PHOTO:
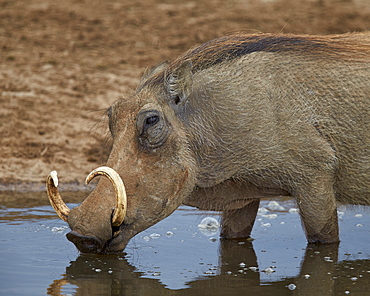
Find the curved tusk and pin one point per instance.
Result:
(121, 204)
(54, 197)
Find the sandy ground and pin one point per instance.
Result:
(63, 62)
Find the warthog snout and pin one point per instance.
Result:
(80, 235)
(84, 243)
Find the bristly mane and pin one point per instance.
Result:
(232, 47)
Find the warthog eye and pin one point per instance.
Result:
(152, 120)
(153, 129)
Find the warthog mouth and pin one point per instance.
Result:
(85, 244)
(89, 244)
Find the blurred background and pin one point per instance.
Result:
(63, 62)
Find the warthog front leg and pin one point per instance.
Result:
(238, 223)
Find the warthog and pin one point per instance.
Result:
(227, 123)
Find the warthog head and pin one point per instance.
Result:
(150, 153)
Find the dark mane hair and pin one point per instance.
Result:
(346, 47)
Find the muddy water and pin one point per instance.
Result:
(177, 257)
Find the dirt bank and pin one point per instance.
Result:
(63, 62)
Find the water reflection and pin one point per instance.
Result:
(320, 274)
(183, 263)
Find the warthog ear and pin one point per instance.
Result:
(179, 82)
(152, 71)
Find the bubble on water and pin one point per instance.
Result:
(307, 276)
(212, 239)
(282, 223)
(146, 238)
(293, 211)
(98, 270)
(291, 287)
(253, 268)
(358, 215)
(270, 216)
(340, 215)
(275, 206)
(353, 279)
(242, 264)
(209, 223)
(59, 229)
(346, 292)
(359, 225)
(209, 272)
(209, 226)
(155, 235)
(265, 224)
(169, 233)
(268, 270)
(262, 211)
(328, 259)
(110, 271)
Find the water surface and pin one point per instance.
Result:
(176, 257)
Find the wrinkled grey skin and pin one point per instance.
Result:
(234, 120)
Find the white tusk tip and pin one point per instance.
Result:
(54, 177)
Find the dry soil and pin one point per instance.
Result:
(62, 63)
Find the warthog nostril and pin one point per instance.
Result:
(85, 244)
